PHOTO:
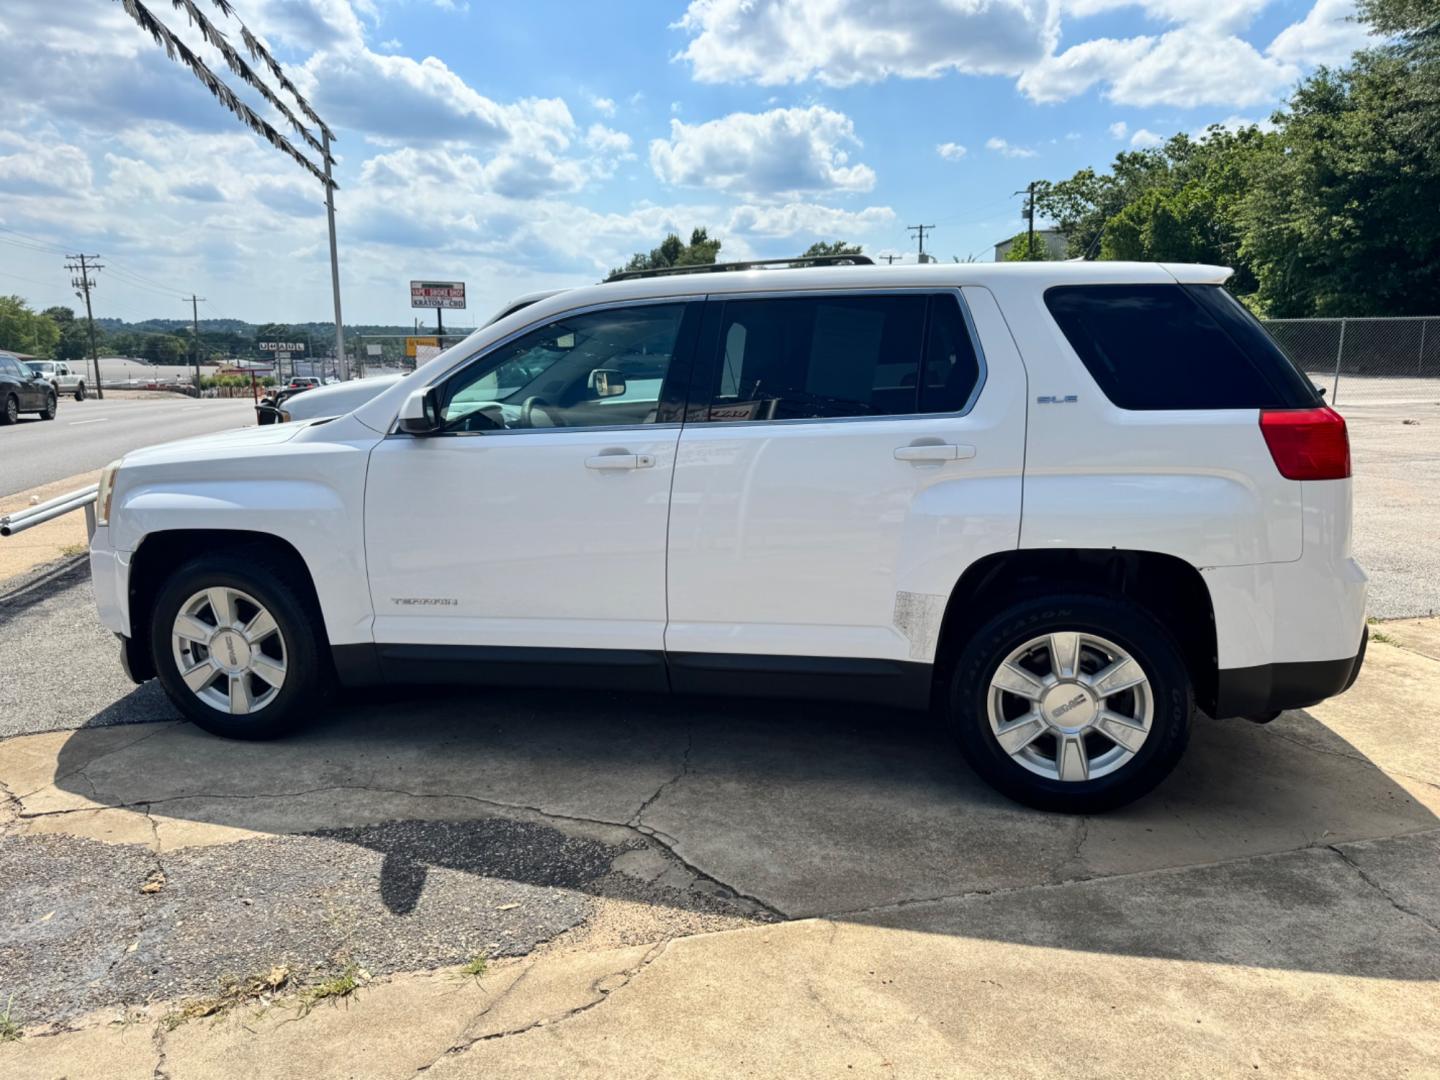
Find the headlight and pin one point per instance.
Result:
(107, 489)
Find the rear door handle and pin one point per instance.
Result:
(620, 461)
(934, 452)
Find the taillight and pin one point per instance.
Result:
(1307, 444)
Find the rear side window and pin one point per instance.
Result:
(1176, 347)
(820, 357)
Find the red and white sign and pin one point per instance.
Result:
(437, 294)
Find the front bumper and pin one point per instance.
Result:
(1270, 688)
(110, 573)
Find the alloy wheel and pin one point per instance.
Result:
(1070, 706)
(229, 650)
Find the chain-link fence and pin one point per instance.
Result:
(1367, 360)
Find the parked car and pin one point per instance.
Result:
(60, 375)
(1062, 504)
(302, 382)
(22, 390)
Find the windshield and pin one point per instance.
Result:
(40, 369)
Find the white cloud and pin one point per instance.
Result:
(951, 151)
(841, 42)
(1006, 149)
(1217, 15)
(783, 151)
(1144, 139)
(807, 220)
(1187, 67)
(607, 140)
(1327, 35)
(1119, 129)
(603, 105)
(42, 167)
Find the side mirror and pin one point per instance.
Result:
(605, 382)
(420, 415)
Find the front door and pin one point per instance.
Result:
(859, 451)
(532, 529)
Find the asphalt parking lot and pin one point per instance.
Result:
(811, 888)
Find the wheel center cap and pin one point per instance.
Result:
(1068, 706)
(231, 651)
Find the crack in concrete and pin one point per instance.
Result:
(627, 975)
(668, 843)
(1356, 757)
(162, 1052)
(1365, 877)
(636, 818)
(80, 769)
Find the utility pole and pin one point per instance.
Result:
(83, 284)
(920, 230)
(195, 325)
(334, 261)
(889, 259)
(1029, 213)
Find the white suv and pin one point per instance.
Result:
(1062, 503)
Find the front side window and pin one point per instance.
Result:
(602, 368)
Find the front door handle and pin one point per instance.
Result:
(620, 461)
(934, 452)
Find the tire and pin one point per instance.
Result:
(264, 583)
(52, 406)
(80, 392)
(11, 412)
(1063, 729)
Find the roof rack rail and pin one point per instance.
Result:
(748, 264)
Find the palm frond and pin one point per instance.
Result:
(174, 48)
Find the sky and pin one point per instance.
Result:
(536, 144)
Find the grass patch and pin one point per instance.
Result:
(1382, 637)
(9, 1026)
(476, 966)
(71, 550)
(332, 989)
(258, 988)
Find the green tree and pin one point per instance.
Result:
(675, 252)
(74, 343)
(833, 247)
(165, 349)
(1413, 19)
(24, 331)
(1022, 250)
(1344, 217)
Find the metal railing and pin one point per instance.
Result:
(1370, 360)
(20, 520)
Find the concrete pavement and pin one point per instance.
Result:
(706, 889)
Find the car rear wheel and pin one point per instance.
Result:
(80, 392)
(11, 413)
(1077, 703)
(235, 648)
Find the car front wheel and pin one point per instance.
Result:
(235, 647)
(1077, 703)
(51, 407)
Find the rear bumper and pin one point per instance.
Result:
(1269, 688)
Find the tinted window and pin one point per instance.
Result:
(818, 357)
(1175, 347)
(952, 370)
(10, 367)
(603, 368)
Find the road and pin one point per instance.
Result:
(88, 434)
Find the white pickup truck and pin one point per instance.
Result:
(60, 375)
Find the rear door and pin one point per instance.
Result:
(846, 456)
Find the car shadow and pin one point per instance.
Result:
(811, 809)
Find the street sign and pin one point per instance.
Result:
(437, 294)
(374, 350)
(282, 356)
(282, 346)
(412, 344)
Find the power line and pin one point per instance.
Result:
(920, 231)
(83, 284)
